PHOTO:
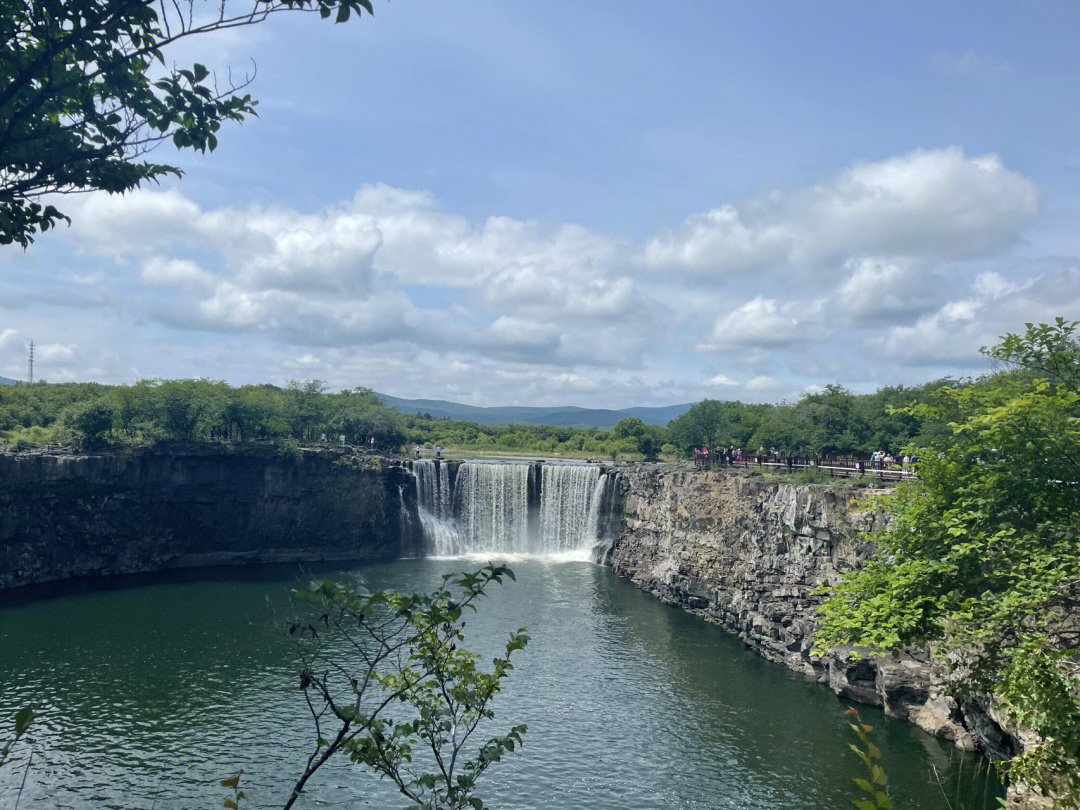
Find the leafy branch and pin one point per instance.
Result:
(409, 699)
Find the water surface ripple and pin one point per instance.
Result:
(149, 694)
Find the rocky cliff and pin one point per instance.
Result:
(64, 515)
(748, 554)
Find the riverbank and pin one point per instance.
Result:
(749, 554)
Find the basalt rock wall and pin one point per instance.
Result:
(748, 554)
(66, 515)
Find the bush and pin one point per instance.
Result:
(813, 475)
(88, 424)
(288, 450)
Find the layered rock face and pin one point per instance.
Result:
(65, 515)
(748, 554)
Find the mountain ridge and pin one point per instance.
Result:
(560, 415)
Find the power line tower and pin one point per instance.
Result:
(30, 365)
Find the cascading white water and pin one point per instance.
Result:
(488, 508)
(570, 507)
(433, 497)
(491, 504)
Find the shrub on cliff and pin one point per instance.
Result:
(89, 424)
(982, 558)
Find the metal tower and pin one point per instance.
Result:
(30, 365)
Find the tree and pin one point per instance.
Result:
(86, 94)
(981, 560)
(700, 426)
(89, 423)
(637, 437)
(410, 699)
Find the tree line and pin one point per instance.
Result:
(831, 422)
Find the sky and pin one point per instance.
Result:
(602, 204)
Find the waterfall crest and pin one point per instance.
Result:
(509, 509)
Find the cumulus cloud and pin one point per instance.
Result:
(886, 272)
(883, 289)
(927, 203)
(720, 379)
(766, 323)
(763, 384)
(951, 335)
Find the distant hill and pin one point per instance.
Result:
(7, 381)
(567, 415)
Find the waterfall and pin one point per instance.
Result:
(570, 497)
(547, 510)
(433, 497)
(491, 504)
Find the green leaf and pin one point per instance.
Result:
(22, 720)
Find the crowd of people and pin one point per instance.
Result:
(704, 458)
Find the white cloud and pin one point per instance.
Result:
(174, 272)
(763, 384)
(953, 333)
(878, 289)
(720, 379)
(928, 203)
(54, 352)
(760, 322)
(888, 275)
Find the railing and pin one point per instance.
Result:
(837, 466)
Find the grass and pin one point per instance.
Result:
(32, 436)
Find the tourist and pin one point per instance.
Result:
(341, 439)
(438, 451)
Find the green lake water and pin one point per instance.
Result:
(150, 693)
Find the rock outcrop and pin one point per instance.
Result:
(66, 515)
(749, 553)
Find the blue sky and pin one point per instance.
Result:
(601, 204)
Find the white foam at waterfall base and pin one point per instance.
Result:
(485, 513)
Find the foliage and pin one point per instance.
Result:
(409, 699)
(196, 411)
(87, 93)
(814, 475)
(874, 787)
(289, 450)
(89, 423)
(233, 784)
(834, 421)
(21, 721)
(981, 560)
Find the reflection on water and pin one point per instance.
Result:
(154, 692)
